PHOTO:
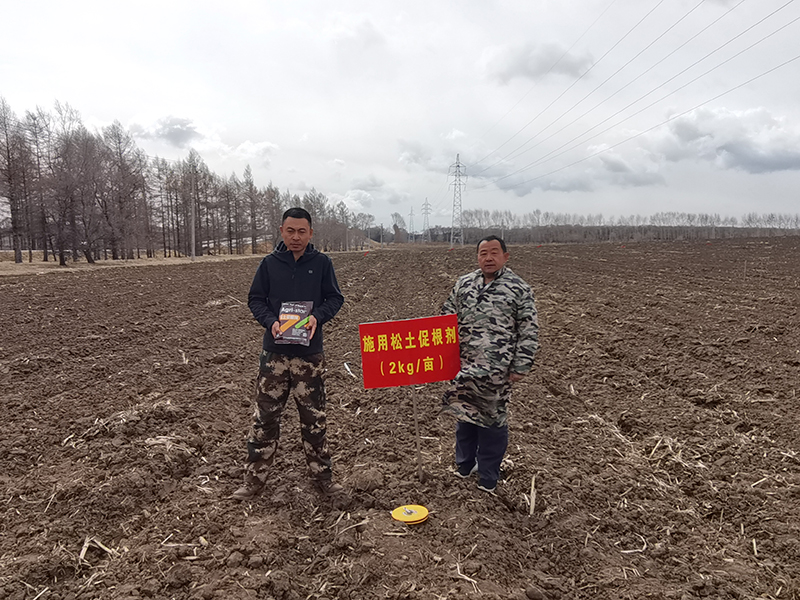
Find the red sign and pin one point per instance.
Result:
(395, 353)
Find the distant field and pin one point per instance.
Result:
(9, 267)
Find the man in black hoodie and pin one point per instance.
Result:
(294, 272)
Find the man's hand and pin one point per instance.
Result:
(276, 329)
(515, 377)
(312, 325)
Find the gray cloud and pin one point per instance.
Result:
(532, 61)
(753, 141)
(748, 156)
(578, 183)
(418, 156)
(176, 131)
(395, 197)
(370, 182)
(355, 200)
(606, 168)
(259, 151)
(521, 186)
(360, 199)
(413, 153)
(621, 172)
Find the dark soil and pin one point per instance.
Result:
(661, 423)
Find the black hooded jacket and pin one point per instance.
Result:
(279, 279)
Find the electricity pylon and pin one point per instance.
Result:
(426, 228)
(457, 228)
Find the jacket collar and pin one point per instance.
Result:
(282, 252)
(498, 275)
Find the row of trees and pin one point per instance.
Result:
(549, 227)
(497, 219)
(538, 227)
(72, 193)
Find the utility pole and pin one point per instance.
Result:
(411, 224)
(457, 227)
(426, 228)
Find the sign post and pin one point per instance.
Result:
(420, 475)
(410, 352)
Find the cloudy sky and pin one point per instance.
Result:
(616, 107)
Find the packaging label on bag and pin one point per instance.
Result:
(293, 320)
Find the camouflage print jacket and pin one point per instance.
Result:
(498, 327)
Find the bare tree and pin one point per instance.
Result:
(126, 184)
(11, 173)
(64, 179)
(250, 194)
(365, 222)
(273, 211)
(41, 141)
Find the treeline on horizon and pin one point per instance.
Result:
(70, 194)
(539, 227)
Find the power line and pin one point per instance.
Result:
(553, 66)
(672, 118)
(554, 153)
(635, 79)
(439, 194)
(557, 98)
(606, 80)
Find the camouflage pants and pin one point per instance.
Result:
(279, 376)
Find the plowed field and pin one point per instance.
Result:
(661, 423)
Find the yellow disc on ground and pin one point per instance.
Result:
(410, 513)
(425, 518)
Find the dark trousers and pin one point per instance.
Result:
(487, 445)
(278, 377)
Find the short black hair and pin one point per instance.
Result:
(491, 238)
(297, 213)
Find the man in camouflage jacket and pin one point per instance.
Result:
(499, 334)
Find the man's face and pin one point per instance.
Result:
(296, 234)
(491, 257)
